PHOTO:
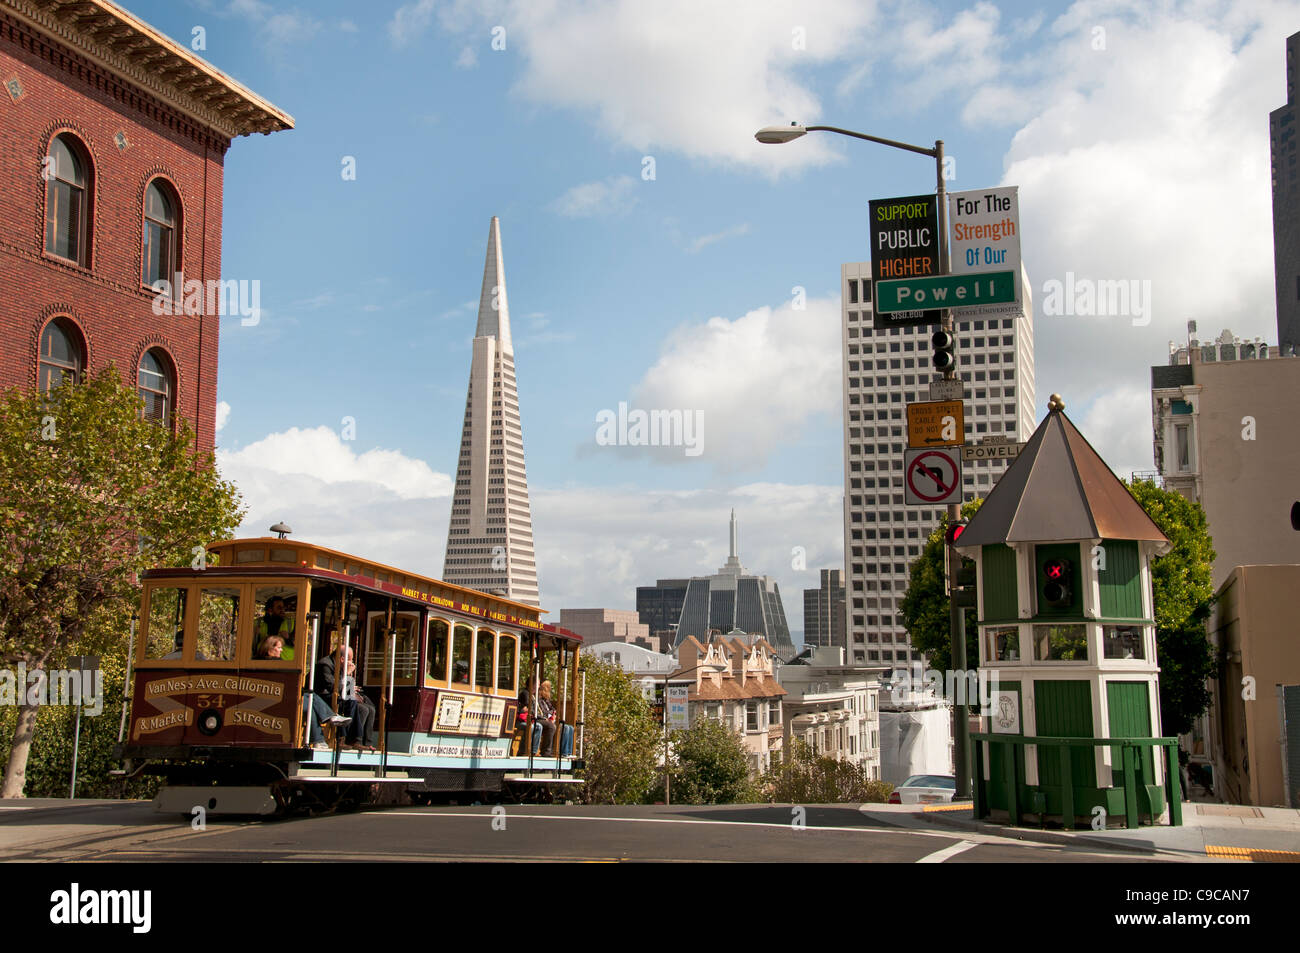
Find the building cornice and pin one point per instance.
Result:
(116, 41)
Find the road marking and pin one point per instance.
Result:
(939, 856)
(1255, 854)
(660, 820)
(947, 807)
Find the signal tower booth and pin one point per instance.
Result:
(1067, 640)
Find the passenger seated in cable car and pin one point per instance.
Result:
(361, 733)
(275, 622)
(272, 647)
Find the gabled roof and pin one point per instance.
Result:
(1059, 488)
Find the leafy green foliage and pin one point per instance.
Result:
(924, 610)
(91, 495)
(805, 778)
(711, 766)
(1183, 589)
(621, 737)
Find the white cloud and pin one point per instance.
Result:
(468, 59)
(1149, 161)
(223, 414)
(410, 20)
(611, 196)
(347, 26)
(1118, 425)
(705, 240)
(678, 75)
(320, 455)
(277, 28)
(756, 380)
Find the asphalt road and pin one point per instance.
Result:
(53, 831)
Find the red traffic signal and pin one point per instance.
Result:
(954, 531)
(1057, 591)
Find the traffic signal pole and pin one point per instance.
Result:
(956, 627)
(956, 622)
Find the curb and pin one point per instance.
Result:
(945, 819)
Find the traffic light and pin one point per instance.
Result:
(944, 342)
(1057, 578)
(954, 531)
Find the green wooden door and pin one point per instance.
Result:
(1065, 711)
(1128, 705)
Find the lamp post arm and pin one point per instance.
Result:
(931, 152)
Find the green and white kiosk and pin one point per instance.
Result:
(1067, 638)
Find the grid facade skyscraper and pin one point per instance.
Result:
(885, 369)
(490, 536)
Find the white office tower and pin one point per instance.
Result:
(490, 538)
(885, 369)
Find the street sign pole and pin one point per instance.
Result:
(956, 626)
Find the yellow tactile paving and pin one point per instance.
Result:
(1257, 854)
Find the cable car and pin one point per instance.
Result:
(231, 689)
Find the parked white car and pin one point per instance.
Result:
(925, 789)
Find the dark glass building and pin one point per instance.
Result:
(729, 599)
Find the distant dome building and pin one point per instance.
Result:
(729, 599)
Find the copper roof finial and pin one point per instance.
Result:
(1055, 404)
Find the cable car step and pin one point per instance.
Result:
(351, 774)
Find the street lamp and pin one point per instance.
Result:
(775, 135)
(712, 667)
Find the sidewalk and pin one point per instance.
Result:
(1213, 831)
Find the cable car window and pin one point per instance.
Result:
(166, 623)
(277, 609)
(460, 649)
(483, 651)
(279, 555)
(250, 556)
(218, 622)
(436, 654)
(506, 663)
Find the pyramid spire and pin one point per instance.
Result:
(490, 536)
(493, 311)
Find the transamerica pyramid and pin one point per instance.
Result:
(490, 538)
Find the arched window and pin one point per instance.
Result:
(157, 387)
(67, 212)
(61, 358)
(161, 211)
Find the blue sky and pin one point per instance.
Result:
(1137, 132)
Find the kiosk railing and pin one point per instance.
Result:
(1129, 750)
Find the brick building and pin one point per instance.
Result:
(112, 145)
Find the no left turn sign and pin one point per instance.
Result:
(932, 476)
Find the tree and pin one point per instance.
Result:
(804, 778)
(1183, 595)
(621, 737)
(711, 765)
(91, 495)
(924, 610)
